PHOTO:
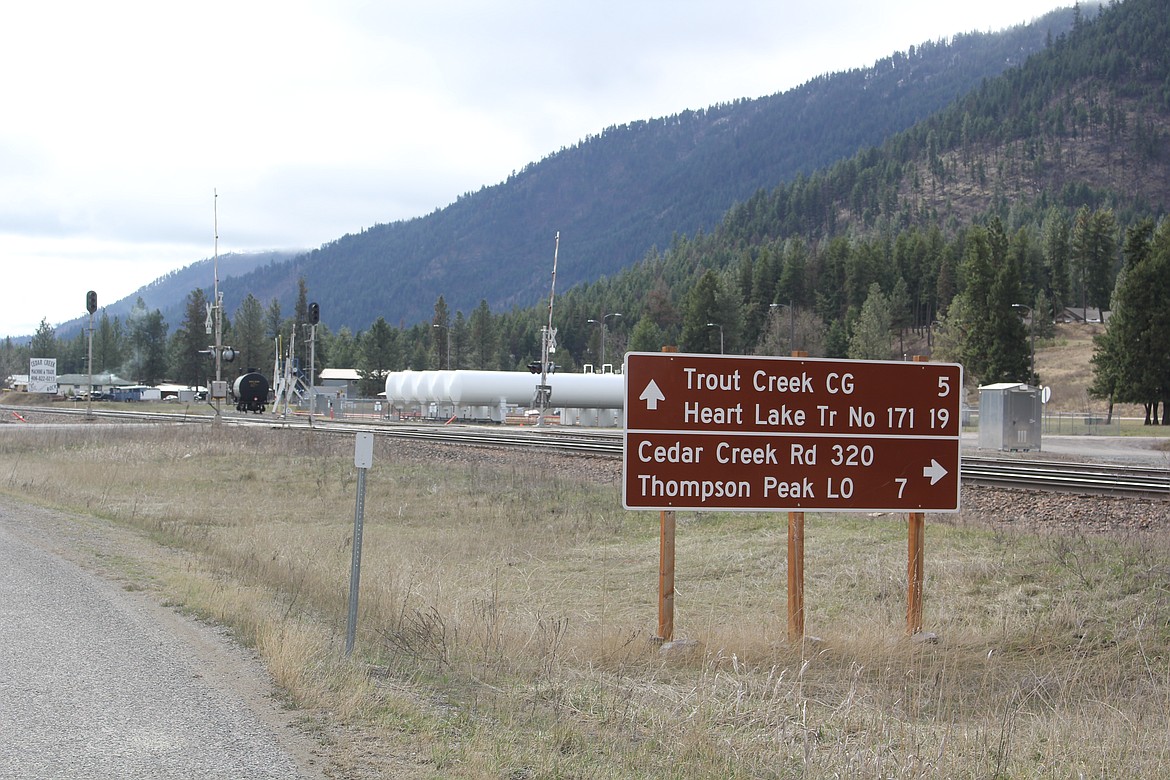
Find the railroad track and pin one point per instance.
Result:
(1018, 473)
(1067, 476)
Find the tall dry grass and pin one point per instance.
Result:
(507, 609)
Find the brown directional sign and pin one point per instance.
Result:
(708, 432)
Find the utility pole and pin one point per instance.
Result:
(91, 307)
(548, 342)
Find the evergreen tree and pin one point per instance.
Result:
(255, 348)
(342, 349)
(1093, 249)
(484, 340)
(108, 345)
(836, 340)
(460, 335)
(378, 356)
(44, 341)
(12, 361)
(1130, 358)
(1056, 257)
(1009, 358)
(709, 319)
(870, 339)
(274, 324)
(148, 344)
(188, 366)
(983, 328)
(300, 323)
(646, 336)
(900, 314)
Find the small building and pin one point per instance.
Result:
(182, 393)
(343, 381)
(136, 393)
(1083, 314)
(104, 384)
(1010, 417)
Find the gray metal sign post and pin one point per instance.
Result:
(363, 458)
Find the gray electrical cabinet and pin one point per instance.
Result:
(1010, 416)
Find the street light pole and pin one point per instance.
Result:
(1032, 334)
(717, 325)
(601, 322)
(791, 321)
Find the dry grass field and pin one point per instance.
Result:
(1064, 363)
(508, 605)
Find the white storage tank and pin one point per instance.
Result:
(491, 388)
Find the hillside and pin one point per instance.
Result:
(169, 293)
(1063, 362)
(618, 194)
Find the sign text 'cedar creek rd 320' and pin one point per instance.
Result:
(713, 432)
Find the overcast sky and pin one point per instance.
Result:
(316, 119)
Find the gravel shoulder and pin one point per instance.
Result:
(98, 679)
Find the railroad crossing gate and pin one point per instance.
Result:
(714, 433)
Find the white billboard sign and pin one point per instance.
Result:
(42, 375)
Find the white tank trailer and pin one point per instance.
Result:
(482, 395)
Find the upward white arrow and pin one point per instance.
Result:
(652, 395)
(935, 471)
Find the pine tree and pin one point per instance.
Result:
(44, 341)
(441, 334)
(189, 367)
(378, 356)
(870, 339)
(108, 344)
(484, 339)
(256, 350)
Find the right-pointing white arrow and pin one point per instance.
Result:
(935, 471)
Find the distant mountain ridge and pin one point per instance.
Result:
(168, 293)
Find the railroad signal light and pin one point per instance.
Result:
(91, 301)
(228, 354)
(314, 313)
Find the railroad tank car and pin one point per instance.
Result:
(251, 392)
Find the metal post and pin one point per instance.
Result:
(717, 325)
(601, 321)
(89, 391)
(1031, 315)
(791, 322)
(355, 571)
(447, 333)
(542, 395)
(312, 372)
(363, 458)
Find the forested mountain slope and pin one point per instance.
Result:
(1034, 178)
(615, 195)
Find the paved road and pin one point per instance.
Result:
(1121, 450)
(96, 682)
